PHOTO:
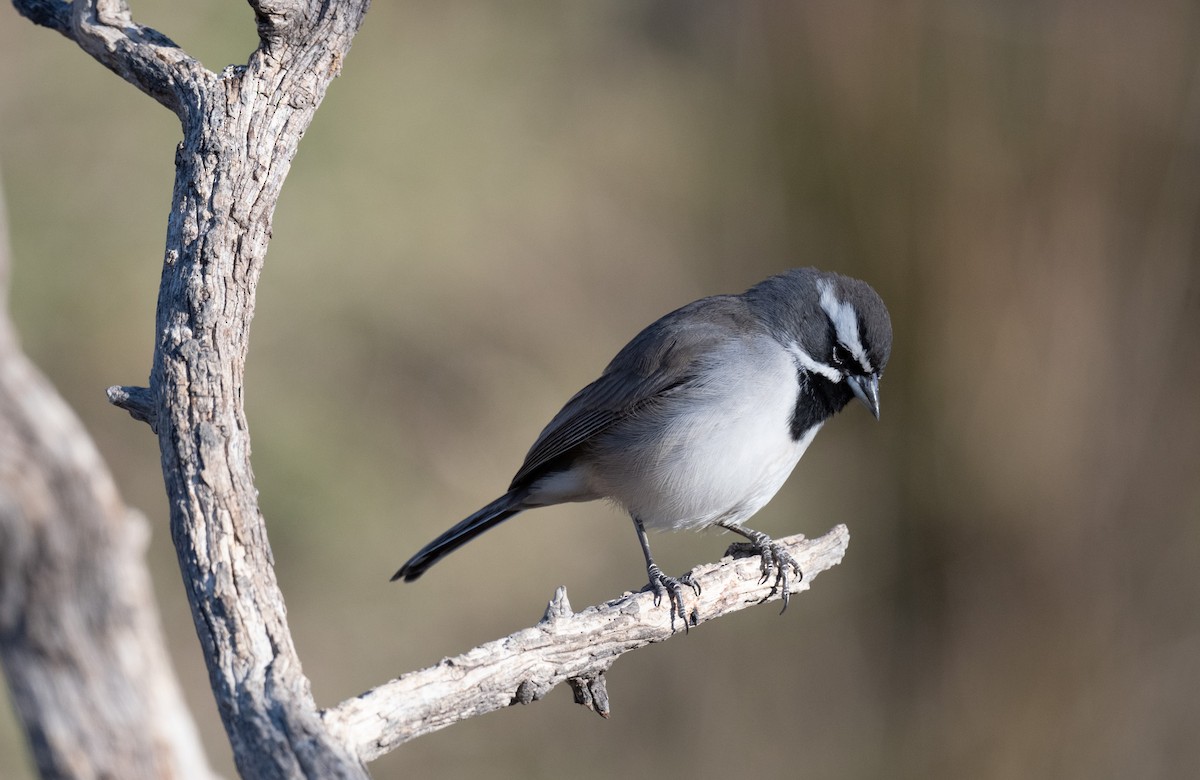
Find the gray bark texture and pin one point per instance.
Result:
(80, 640)
(241, 129)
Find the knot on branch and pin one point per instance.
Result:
(275, 18)
(530, 691)
(591, 690)
(558, 608)
(138, 401)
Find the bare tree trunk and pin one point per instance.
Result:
(241, 129)
(80, 640)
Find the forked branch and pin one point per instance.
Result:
(240, 133)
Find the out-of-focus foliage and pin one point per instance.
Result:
(494, 197)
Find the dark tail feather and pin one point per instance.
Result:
(491, 515)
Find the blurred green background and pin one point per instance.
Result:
(495, 197)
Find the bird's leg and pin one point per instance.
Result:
(775, 559)
(662, 584)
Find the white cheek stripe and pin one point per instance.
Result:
(808, 363)
(845, 324)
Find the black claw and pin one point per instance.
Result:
(665, 585)
(775, 560)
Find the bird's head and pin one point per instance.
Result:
(837, 329)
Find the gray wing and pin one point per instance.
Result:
(660, 361)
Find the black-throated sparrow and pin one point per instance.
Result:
(700, 419)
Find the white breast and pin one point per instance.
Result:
(717, 453)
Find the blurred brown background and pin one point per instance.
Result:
(494, 197)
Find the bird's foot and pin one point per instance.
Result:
(672, 589)
(775, 561)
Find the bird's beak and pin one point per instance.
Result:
(866, 389)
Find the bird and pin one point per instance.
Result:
(699, 420)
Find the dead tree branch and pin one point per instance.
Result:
(565, 646)
(142, 56)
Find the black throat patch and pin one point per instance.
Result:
(817, 399)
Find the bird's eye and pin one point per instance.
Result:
(839, 355)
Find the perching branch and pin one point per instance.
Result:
(577, 648)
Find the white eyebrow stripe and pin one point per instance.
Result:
(810, 364)
(845, 324)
